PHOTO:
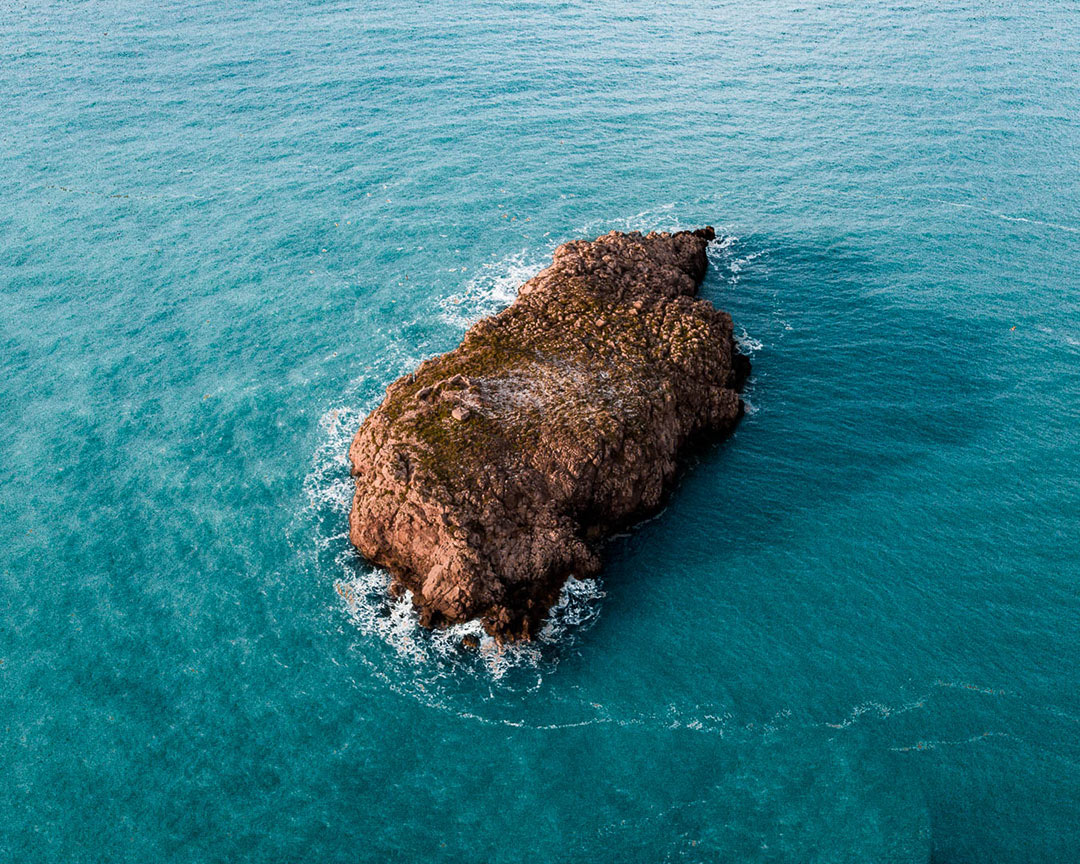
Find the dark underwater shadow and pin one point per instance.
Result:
(859, 377)
(855, 377)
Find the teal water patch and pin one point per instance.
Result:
(851, 635)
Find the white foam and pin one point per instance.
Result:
(495, 286)
(729, 265)
(364, 592)
(748, 345)
(492, 289)
(661, 218)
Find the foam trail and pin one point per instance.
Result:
(1007, 218)
(935, 744)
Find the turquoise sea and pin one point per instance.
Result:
(854, 634)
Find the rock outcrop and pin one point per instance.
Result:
(493, 472)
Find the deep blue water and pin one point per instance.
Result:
(854, 634)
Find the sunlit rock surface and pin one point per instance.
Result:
(493, 472)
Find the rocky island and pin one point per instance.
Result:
(492, 473)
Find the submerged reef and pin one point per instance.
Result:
(493, 472)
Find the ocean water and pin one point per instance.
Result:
(852, 636)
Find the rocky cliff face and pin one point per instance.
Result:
(491, 473)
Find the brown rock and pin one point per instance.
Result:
(572, 433)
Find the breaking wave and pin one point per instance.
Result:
(492, 289)
(362, 590)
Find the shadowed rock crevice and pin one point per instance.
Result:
(491, 473)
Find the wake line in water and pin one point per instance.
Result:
(989, 211)
(722, 723)
(882, 711)
(1006, 217)
(935, 744)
